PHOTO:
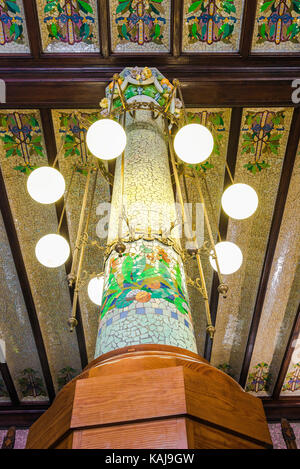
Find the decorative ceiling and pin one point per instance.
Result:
(236, 61)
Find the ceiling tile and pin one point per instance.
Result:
(211, 26)
(277, 26)
(13, 29)
(69, 27)
(140, 26)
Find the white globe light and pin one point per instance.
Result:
(106, 139)
(46, 185)
(239, 201)
(193, 143)
(230, 257)
(95, 289)
(52, 250)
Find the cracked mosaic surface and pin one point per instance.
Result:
(251, 235)
(93, 261)
(282, 298)
(218, 121)
(149, 270)
(32, 221)
(15, 330)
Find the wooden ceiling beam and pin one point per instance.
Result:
(294, 335)
(13, 395)
(288, 408)
(233, 143)
(177, 11)
(49, 137)
(247, 27)
(67, 92)
(25, 286)
(34, 36)
(103, 20)
(287, 170)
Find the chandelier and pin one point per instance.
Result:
(189, 147)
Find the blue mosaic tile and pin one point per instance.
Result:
(186, 323)
(99, 332)
(140, 311)
(174, 315)
(108, 323)
(123, 314)
(158, 311)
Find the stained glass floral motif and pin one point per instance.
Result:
(226, 368)
(211, 25)
(140, 25)
(142, 276)
(13, 34)
(292, 380)
(21, 135)
(277, 26)
(69, 25)
(261, 136)
(259, 379)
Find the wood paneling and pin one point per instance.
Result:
(144, 394)
(159, 434)
(132, 409)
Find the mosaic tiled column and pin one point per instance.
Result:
(145, 297)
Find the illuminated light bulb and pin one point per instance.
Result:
(106, 139)
(46, 185)
(52, 250)
(230, 257)
(95, 290)
(193, 143)
(239, 201)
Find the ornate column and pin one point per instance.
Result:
(145, 298)
(146, 387)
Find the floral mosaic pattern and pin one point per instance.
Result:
(277, 26)
(292, 379)
(262, 133)
(137, 82)
(259, 379)
(13, 35)
(21, 135)
(65, 375)
(31, 385)
(140, 25)
(211, 25)
(74, 133)
(226, 368)
(69, 25)
(147, 274)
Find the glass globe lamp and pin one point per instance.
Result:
(46, 185)
(95, 290)
(193, 143)
(106, 139)
(230, 257)
(239, 201)
(52, 250)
